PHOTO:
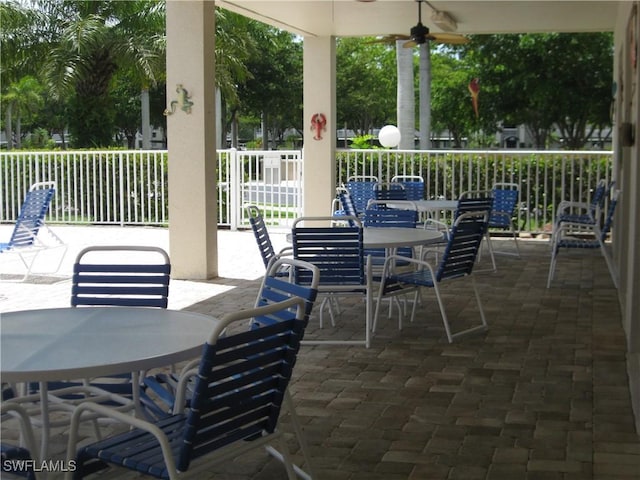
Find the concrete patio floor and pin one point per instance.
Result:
(544, 394)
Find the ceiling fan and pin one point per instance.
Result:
(419, 33)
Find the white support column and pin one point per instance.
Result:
(319, 169)
(191, 139)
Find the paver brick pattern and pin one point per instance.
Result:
(542, 395)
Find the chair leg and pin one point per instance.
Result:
(515, 240)
(297, 428)
(443, 313)
(482, 327)
(610, 266)
(552, 266)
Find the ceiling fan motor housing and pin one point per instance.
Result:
(419, 33)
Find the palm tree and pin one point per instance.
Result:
(21, 97)
(88, 42)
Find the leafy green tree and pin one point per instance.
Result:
(234, 46)
(365, 84)
(88, 42)
(22, 99)
(273, 91)
(546, 80)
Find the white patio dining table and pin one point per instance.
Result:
(393, 238)
(75, 343)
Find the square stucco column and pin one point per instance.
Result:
(319, 174)
(191, 139)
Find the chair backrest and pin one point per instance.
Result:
(390, 218)
(413, 185)
(121, 275)
(505, 201)
(303, 283)
(242, 379)
(463, 245)
(337, 251)
(390, 191)
(256, 220)
(608, 220)
(32, 212)
(348, 205)
(474, 201)
(598, 197)
(361, 191)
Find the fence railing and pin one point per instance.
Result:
(129, 187)
(545, 177)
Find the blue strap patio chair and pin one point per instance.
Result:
(16, 458)
(456, 262)
(31, 235)
(349, 209)
(387, 191)
(506, 198)
(114, 276)
(583, 213)
(413, 186)
(361, 190)
(121, 275)
(338, 253)
(581, 236)
(263, 240)
(240, 387)
(302, 282)
(389, 218)
(478, 201)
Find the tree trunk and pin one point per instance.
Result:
(19, 131)
(146, 122)
(7, 127)
(425, 95)
(265, 132)
(405, 96)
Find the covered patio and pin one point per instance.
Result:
(543, 394)
(190, 48)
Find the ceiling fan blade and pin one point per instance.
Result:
(389, 39)
(450, 38)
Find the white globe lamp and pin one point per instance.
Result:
(389, 136)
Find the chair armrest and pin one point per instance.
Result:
(130, 420)
(468, 193)
(567, 205)
(286, 251)
(391, 260)
(431, 224)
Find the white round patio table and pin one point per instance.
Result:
(73, 343)
(392, 238)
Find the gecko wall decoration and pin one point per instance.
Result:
(183, 101)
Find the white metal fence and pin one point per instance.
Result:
(129, 187)
(545, 177)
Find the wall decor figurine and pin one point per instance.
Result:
(183, 101)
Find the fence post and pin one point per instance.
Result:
(123, 196)
(235, 190)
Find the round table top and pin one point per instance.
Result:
(399, 237)
(71, 343)
(424, 205)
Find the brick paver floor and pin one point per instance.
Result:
(543, 394)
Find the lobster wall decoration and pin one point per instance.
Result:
(318, 125)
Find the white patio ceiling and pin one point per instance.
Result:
(384, 17)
